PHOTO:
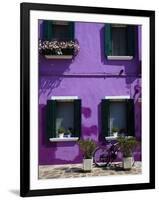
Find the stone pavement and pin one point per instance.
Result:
(75, 170)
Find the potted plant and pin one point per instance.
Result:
(115, 132)
(87, 147)
(122, 132)
(61, 132)
(127, 146)
(69, 132)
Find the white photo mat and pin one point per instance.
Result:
(35, 183)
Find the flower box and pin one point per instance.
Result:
(58, 49)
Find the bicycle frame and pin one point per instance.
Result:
(107, 154)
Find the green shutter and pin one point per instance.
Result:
(48, 30)
(105, 112)
(130, 117)
(45, 30)
(77, 117)
(130, 40)
(51, 118)
(71, 30)
(108, 39)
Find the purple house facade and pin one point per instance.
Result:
(90, 92)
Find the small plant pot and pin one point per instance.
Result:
(61, 135)
(115, 134)
(87, 164)
(127, 163)
(69, 135)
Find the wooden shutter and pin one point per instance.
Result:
(51, 119)
(77, 117)
(130, 117)
(71, 30)
(105, 112)
(130, 40)
(108, 40)
(48, 30)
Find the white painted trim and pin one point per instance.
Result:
(119, 57)
(111, 138)
(64, 98)
(63, 139)
(117, 97)
(114, 138)
(58, 56)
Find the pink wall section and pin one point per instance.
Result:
(70, 78)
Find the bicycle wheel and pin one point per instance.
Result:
(101, 156)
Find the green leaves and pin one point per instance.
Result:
(114, 129)
(127, 145)
(61, 130)
(87, 147)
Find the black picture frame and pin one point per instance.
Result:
(25, 9)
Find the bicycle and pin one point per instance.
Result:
(105, 155)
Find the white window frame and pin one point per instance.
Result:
(117, 97)
(119, 57)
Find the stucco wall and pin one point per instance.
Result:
(55, 80)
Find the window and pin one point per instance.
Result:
(58, 30)
(61, 31)
(63, 116)
(58, 40)
(119, 41)
(117, 114)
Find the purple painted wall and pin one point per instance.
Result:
(68, 78)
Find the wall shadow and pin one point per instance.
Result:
(50, 74)
(89, 132)
(86, 111)
(50, 70)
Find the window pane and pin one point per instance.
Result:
(61, 32)
(117, 116)
(64, 116)
(119, 41)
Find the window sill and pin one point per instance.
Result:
(58, 56)
(111, 138)
(119, 57)
(114, 138)
(63, 139)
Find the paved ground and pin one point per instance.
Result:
(75, 170)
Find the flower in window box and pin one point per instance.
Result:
(58, 47)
